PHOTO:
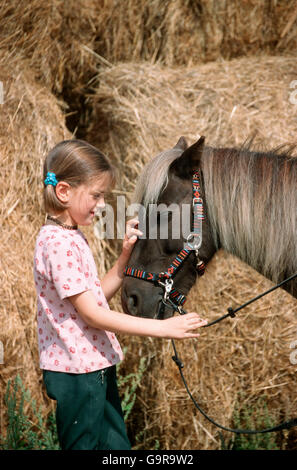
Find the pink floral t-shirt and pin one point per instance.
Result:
(64, 266)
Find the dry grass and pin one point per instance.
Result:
(141, 109)
(138, 110)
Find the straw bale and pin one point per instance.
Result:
(48, 36)
(142, 109)
(139, 110)
(180, 32)
(54, 37)
(31, 123)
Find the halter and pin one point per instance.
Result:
(193, 243)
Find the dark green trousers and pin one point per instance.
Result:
(89, 414)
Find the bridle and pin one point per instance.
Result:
(165, 279)
(175, 300)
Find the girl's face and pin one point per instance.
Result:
(85, 199)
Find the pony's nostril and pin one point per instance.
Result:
(133, 303)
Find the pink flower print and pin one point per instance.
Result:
(56, 362)
(57, 243)
(72, 350)
(78, 280)
(73, 317)
(95, 337)
(36, 261)
(40, 243)
(69, 265)
(95, 349)
(67, 369)
(97, 283)
(86, 274)
(79, 269)
(61, 315)
(84, 350)
(59, 267)
(51, 354)
(99, 303)
(103, 343)
(66, 287)
(102, 353)
(71, 329)
(73, 244)
(42, 294)
(69, 253)
(87, 369)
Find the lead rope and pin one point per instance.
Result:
(231, 313)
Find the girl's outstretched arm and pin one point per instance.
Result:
(112, 281)
(178, 327)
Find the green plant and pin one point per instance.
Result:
(254, 416)
(22, 433)
(128, 385)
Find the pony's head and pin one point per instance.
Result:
(165, 197)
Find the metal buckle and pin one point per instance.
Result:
(197, 239)
(168, 287)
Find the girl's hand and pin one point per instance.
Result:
(182, 326)
(131, 235)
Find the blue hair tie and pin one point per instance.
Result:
(51, 179)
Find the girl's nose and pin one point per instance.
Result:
(101, 203)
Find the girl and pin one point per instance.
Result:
(76, 329)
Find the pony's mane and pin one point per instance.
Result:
(252, 206)
(154, 177)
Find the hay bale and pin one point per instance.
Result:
(55, 38)
(188, 32)
(139, 110)
(48, 36)
(31, 124)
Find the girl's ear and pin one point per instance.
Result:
(189, 160)
(63, 191)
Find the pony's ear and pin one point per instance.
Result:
(181, 144)
(189, 160)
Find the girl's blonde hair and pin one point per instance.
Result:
(76, 162)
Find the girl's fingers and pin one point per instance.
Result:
(132, 227)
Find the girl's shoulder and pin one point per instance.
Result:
(51, 234)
